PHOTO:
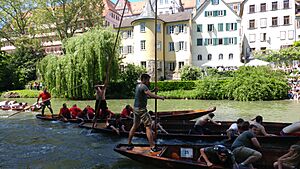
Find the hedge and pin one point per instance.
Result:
(174, 85)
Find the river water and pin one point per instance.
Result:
(26, 142)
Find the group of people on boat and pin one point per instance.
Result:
(13, 105)
(246, 147)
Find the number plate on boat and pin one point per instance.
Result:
(186, 152)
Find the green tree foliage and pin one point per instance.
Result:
(256, 83)
(15, 20)
(285, 55)
(6, 72)
(66, 16)
(190, 73)
(84, 65)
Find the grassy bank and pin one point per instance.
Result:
(21, 93)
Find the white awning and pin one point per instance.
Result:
(257, 62)
(223, 63)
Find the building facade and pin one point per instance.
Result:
(216, 35)
(267, 24)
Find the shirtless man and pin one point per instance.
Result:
(202, 121)
(260, 128)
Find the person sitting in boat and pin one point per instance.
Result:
(217, 155)
(291, 130)
(115, 124)
(106, 114)
(243, 145)
(159, 127)
(233, 130)
(290, 160)
(74, 111)
(200, 125)
(64, 112)
(87, 113)
(260, 128)
(126, 112)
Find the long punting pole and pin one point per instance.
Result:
(155, 67)
(114, 49)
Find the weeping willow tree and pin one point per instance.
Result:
(84, 65)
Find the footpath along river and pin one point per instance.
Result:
(26, 142)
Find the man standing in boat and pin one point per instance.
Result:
(46, 96)
(100, 101)
(140, 112)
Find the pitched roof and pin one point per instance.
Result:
(188, 4)
(109, 5)
(180, 16)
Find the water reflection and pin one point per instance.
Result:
(26, 142)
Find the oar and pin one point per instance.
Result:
(18, 112)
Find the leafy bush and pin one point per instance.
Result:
(22, 93)
(190, 73)
(210, 88)
(174, 85)
(179, 94)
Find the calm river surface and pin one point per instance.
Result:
(26, 142)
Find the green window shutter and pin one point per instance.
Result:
(215, 13)
(235, 40)
(205, 42)
(235, 26)
(220, 27)
(227, 26)
(205, 13)
(215, 41)
(224, 12)
(225, 41)
(199, 28)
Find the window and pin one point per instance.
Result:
(263, 7)
(274, 6)
(199, 57)
(181, 28)
(230, 41)
(170, 29)
(199, 42)
(251, 8)
(208, 13)
(263, 37)
(221, 13)
(230, 56)
(208, 42)
(252, 38)
(181, 64)
(291, 34)
(129, 49)
(158, 28)
(129, 34)
(286, 4)
(143, 45)
(286, 20)
(161, 2)
(274, 21)
(210, 27)
(142, 27)
(166, 1)
(252, 24)
(158, 45)
(143, 64)
(172, 66)
(199, 28)
(220, 27)
(282, 35)
(171, 46)
(209, 57)
(263, 22)
(220, 41)
(263, 49)
(231, 26)
(215, 2)
(221, 56)
(121, 49)
(181, 45)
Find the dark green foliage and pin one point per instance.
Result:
(257, 83)
(174, 85)
(190, 73)
(6, 72)
(210, 88)
(84, 65)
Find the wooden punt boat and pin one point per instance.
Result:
(55, 117)
(278, 141)
(185, 156)
(184, 114)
